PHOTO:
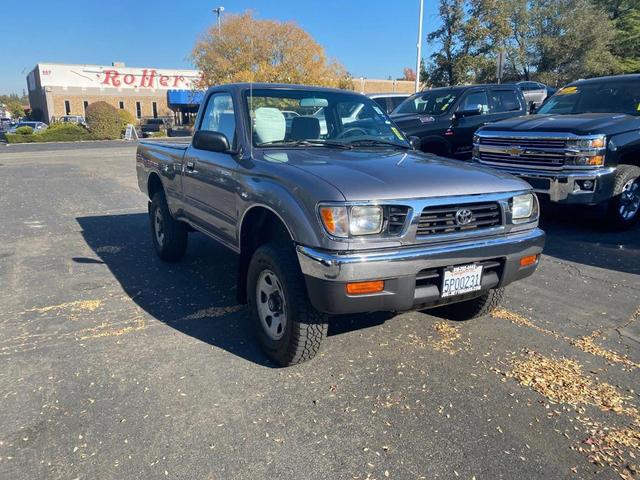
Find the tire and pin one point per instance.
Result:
(276, 289)
(623, 210)
(474, 308)
(169, 236)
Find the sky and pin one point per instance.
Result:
(371, 38)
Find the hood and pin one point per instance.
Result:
(395, 174)
(581, 124)
(415, 120)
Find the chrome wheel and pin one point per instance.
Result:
(630, 199)
(271, 305)
(159, 227)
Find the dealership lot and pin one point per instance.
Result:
(118, 365)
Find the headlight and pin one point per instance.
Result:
(342, 221)
(522, 206)
(365, 220)
(587, 151)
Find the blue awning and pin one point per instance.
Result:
(184, 98)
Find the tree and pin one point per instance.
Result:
(448, 66)
(574, 40)
(104, 121)
(625, 14)
(14, 104)
(252, 50)
(408, 73)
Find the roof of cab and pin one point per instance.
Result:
(610, 78)
(276, 86)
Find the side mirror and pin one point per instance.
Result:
(532, 108)
(415, 142)
(470, 112)
(211, 141)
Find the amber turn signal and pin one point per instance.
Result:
(362, 288)
(528, 260)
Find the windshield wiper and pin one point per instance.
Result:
(367, 142)
(305, 143)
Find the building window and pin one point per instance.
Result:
(155, 110)
(138, 110)
(121, 105)
(67, 107)
(85, 104)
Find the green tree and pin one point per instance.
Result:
(625, 14)
(574, 39)
(449, 64)
(14, 104)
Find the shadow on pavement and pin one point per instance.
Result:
(578, 234)
(196, 296)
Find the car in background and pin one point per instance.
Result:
(534, 92)
(5, 123)
(445, 119)
(582, 147)
(78, 119)
(37, 126)
(388, 101)
(155, 125)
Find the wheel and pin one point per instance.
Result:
(474, 308)
(169, 236)
(289, 329)
(623, 208)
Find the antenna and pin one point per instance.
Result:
(251, 120)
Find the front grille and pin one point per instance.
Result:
(397, 219)
(442, 219)
(538, 153)
(525, 142)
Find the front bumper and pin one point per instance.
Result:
(568, 187)
(412, 275)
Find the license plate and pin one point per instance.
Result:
(461, 280)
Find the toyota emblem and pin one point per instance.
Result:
(464, 216)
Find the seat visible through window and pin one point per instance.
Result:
(304, 128)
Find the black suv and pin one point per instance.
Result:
(445, 119)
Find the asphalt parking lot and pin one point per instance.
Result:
(116, 365)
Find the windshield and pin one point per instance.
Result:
(303, 118)
(616, 97)
(432, 102)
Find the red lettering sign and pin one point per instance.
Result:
(111, 78)
(147, 78)
(164, 80)
(178, 78)
(129, 79)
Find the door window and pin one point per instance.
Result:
(505, 101)
(219, 116)
(475, 100)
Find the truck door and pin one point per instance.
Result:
(505, 103)
(209, 183)
(464, 127)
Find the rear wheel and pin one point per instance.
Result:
(624, 208)
(169, 236)
(289, 329)
(474, 308)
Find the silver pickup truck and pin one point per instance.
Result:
(334, 217)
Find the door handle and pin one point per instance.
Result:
(190, 165)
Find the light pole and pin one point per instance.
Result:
(218, 11)
(419, 46)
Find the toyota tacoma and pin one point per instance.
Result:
(341, 219)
